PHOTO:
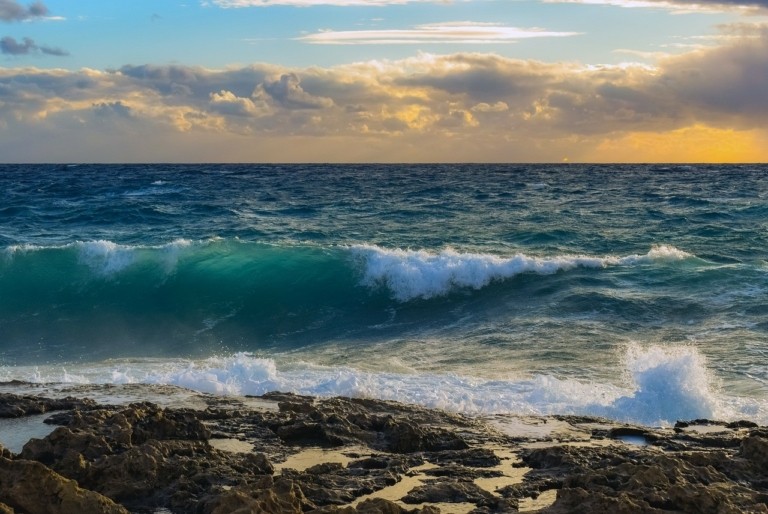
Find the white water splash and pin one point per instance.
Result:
(411, 274)
(107, 258)
(663, 385)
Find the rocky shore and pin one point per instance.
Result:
(286, 453)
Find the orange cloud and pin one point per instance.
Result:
(706, 105)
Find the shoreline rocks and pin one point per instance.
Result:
(396, 459)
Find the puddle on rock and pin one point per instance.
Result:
(15, 432)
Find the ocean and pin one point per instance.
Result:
(633, 292)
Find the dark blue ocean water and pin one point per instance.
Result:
(634, 292)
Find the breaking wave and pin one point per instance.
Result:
(662, 385)
(411, 274)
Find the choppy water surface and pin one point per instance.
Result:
(634, 292)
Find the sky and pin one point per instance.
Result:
(384, 81)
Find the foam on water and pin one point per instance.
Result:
(10, 251)
(662, 385)
(105, 257)
(411, 274)
(407, 274)
(316, 262)
(667, 253)
(108, 258)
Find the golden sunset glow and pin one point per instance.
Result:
(689, 144)
(453, 84)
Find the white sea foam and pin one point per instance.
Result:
(108, 258)
(411, 274)
(10, 251)
(105, 257)
(669, 383)
(662, 385)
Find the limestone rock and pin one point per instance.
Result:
(267, 496)
(382, 506)
(451, 491)
(755, 449)
(31, 487)
(16, 406)
(148, 458)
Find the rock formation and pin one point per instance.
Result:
(142, 457)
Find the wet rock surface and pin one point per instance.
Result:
(369, 457)
(15, 406)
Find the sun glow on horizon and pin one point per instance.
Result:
(698, 143)
(384, 81)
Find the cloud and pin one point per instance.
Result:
(184, 84)
(287, 91)
(681, 6)
(112, 109)
(228, 4)
(10, 46)
(484, 107)
(463, 106)
(727, 82)
(10, 11)
(436, 33)
(228, 104)
(58, 52)
(676, 6)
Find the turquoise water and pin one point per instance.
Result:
(633, 292)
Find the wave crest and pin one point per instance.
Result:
(412, 274)
(108, 258)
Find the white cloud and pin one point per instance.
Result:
(676, 6)
(227, 4)
(464, 32)
(681, 6)
(427, 107)
(227, 103)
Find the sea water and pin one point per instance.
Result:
(634, 292)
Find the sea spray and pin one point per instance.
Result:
(666, 384)
(412, 274)
(190, 297)
(670, 384)
(497, 288)
(107, 258)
